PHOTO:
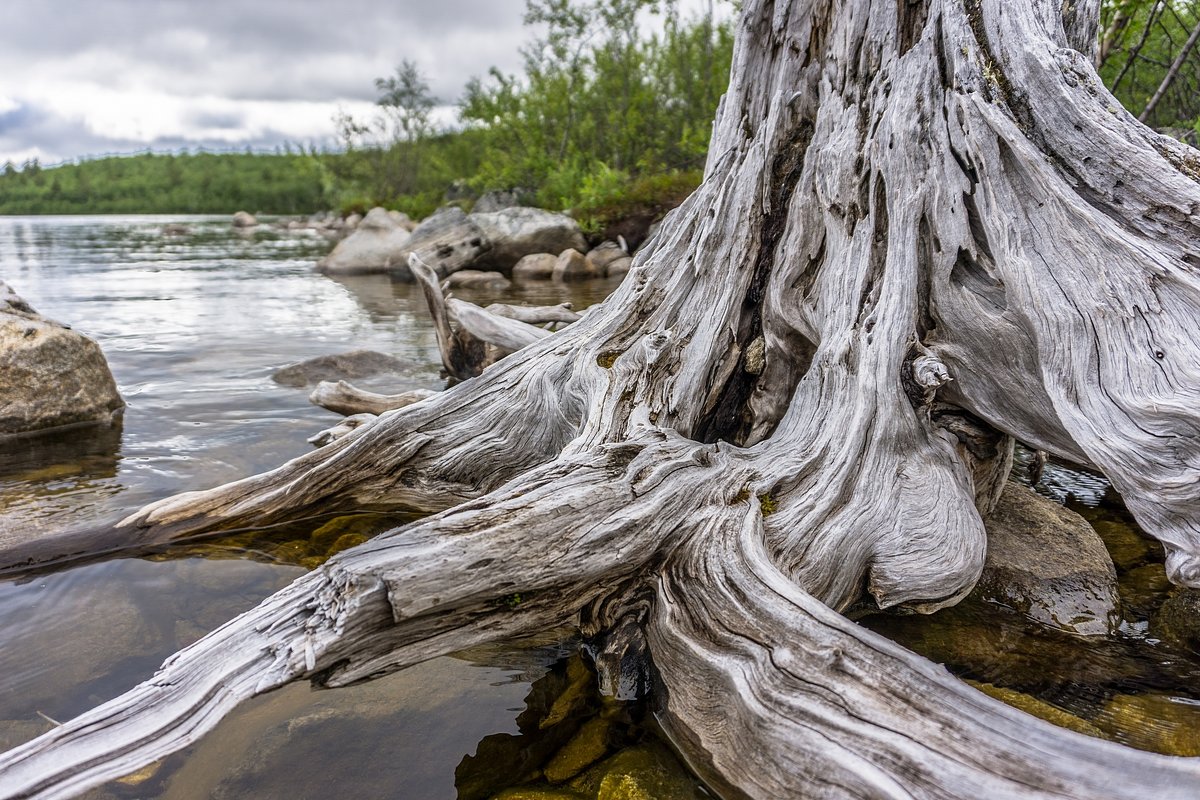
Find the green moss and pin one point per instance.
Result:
(292, 552)
(768, 504)
(607, 358)
(514, 600)
(742, 496)
(325, 537)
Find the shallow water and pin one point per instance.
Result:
(193, 326)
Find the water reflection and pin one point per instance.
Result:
(193, 325)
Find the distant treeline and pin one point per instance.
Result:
(610, 116)
(203, 183)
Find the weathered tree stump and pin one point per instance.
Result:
(925, 227)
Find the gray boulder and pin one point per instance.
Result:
(1048, 563)
(609, 258)
(573, 265)
(244, 219)
(342, 366)
(52, 375)
(378, 243)
(518, 231)
(535, 267)
(448, 241)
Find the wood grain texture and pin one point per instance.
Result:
(925, 229)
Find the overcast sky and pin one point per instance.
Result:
(86, 77)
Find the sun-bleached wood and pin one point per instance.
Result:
(344, 398)
(925, 228)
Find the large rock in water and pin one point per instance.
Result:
(518, 231)
(448, 241)
(378, 243)
(1048, 563)
(341, 366)
(50, 374)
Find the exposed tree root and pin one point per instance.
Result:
(925, 228)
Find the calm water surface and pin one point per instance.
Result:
(193, 326)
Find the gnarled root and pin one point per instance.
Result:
(757, 673)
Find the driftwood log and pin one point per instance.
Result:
(925, 228)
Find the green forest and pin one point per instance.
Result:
(604, 119)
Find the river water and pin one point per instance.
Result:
(193, 326)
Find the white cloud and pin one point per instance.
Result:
(79, 77)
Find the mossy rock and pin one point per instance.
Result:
(538, 793)
(1038, 708)
(644, 772)
(579, 691)
(585, 748)
(1128, 548)
(346, 541)
(292, 552)
(1154, 722)
(1177, 622)
(328, 535)
(1143, 591)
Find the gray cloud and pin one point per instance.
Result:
(267, 51)
(269, 48)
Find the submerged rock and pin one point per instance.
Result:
(1155, 722)
(535, 267)
(1038, 708)
(1177, 622)
(341, 366)
(52, 376)
(1046, 562)
(644, 772)
(474, 277)
(377, 244)
(585, 748)
(1143, 591)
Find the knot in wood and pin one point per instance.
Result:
(929, 372)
